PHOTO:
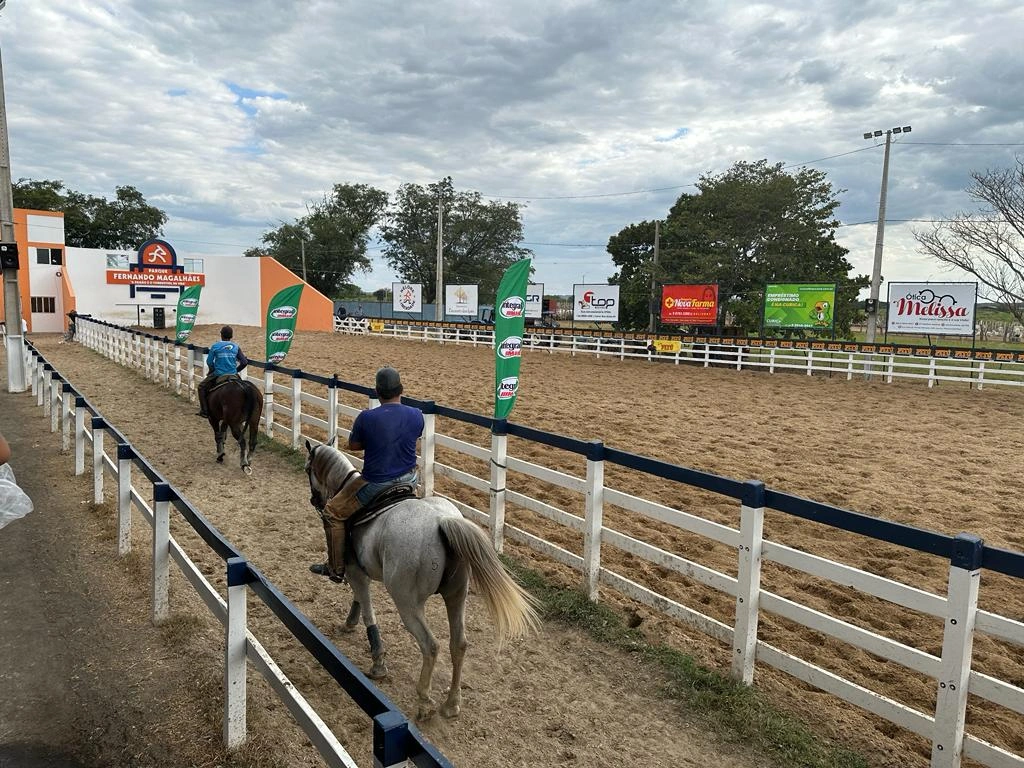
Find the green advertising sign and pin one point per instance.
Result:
(808, 306)
(282, 312)
(188, 308)
(509, 322)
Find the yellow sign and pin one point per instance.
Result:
(376, 326)
(667, 345)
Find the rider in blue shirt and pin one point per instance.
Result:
(224, 358)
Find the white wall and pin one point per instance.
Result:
(231, 293)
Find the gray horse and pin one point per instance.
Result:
(417, 548)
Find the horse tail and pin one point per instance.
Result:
(252, 411)
(513, 609)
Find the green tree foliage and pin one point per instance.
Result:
(751, 225)
(334, 234)
(988, 244)
(480, 239)
(124, 223)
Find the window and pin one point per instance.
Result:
(193, 265)
(44, 304)
(49, 255)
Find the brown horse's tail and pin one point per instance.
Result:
(253, 411)
(512, 608)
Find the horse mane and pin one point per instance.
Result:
(330, 467)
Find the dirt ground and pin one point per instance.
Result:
(938, 459)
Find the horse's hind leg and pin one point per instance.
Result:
(361, 600)
(219, 435)
(243, 448)
(455, 603)
(416, 622)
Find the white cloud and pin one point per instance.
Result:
(233, 117)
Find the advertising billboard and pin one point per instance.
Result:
(461, 299)
(406, 297)
(690, 304)
(596, 302)
(535, 301)
(938, 308)
(808, 306)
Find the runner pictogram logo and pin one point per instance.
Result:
(156, 253)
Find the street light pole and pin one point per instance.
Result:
(12, 296)
(876, 270)
(439, 282)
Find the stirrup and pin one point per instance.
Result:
(324, 569)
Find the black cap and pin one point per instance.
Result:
(388, 383)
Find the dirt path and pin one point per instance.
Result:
(557, 699)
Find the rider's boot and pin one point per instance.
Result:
(334, 568)
(201, 391)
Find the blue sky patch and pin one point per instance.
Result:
(173, 92)
(244, 97)
(677, 134)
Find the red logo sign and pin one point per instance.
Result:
(156, 253)
(690, 304)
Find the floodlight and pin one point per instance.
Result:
(906, 129)
(867, 135)
(878, 133)
(897, 129)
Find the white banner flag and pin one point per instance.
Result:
(461, 299)
(595, 301)
(406, 297)
(936, 308)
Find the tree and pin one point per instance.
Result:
(333, 234)
(988, 244)
(480, 239)
(751, 225)
(124, 223)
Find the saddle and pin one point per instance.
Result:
(220, 381)
(381, 502)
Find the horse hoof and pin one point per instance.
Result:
(450, 710)
(425, 712)
(378, 671)
(346, 628)
(247, 469)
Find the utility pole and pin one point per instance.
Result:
(876, 270)
(12, 296)
(439, 287)
(302, 250)
(654, 280)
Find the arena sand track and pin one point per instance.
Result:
(557, 699)
(941, 459)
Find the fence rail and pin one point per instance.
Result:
(882, 362)
(395, 740)
(966, 556)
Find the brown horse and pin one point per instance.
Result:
(237, 404)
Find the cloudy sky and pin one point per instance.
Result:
(231, 116)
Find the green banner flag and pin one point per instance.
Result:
(282, 312)
(188, 308)
(509, 321)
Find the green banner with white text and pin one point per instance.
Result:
(809, 306)
(188, 308)
(282, 312)
(509, 322)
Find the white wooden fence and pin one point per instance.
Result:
(287, 411)
(846, 362)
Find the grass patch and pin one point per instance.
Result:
(735, 712)
(296, 458)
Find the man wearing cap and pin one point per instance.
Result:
(388, 436)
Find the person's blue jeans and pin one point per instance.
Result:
(368, 491)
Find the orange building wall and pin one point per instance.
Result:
(68, 294)
(316, 311)
(21, 237)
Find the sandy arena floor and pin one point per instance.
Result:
(939, 459)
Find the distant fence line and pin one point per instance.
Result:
(883, 362)
(163, 360)
(81, 425)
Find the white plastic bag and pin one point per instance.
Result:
(14, 502)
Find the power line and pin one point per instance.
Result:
(963, 144)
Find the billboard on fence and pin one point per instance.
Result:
(690, 304)
(595, 301)
(406, 297)
(939, 308)
(800, 305)
(461, 299)
(535, 301)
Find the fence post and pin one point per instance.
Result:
(739, 358)
(849, 367)
(53, 410)
(748, 582)
(65, 416)
(162, 496)
(167, 361)
(177, 369)
(125, 454)
(332, 407)
(810, 362)
(268, 399)
(594, 519)
(98, 425)
(390, 736)
(79, 435)
(429, 443)
(42, 398)
(499, 469)
(296, 408)
(931, 372)
(234, 654)
(889, 369)
(957, 645)
(981, 375)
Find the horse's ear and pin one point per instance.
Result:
(331, 439)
